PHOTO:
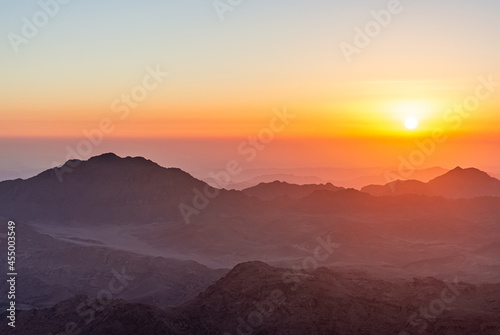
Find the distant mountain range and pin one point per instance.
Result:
(278, 189)
(111, 189)
(133, 204)
(381, 177)
(312, 259)
(269, 178)
(455, 184)
(348, 178)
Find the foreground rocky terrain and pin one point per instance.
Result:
(255, 298)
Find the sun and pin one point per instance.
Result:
(411, 115)
(411, 123)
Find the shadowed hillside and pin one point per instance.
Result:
(255, 298)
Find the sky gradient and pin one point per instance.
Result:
(226, 77)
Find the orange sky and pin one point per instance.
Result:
(225, 78)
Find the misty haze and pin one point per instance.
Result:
(231, 167)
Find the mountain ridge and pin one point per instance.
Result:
(456, 183)
(277, 189)
(257, 298)
(105, 186)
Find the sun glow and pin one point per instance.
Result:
(413, 108)
(411, 123)
(414, 113)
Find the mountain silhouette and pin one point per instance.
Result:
(455, 184)
(465, 183)
(104, 188)
(344, 261)
(277, 189)
(133, 204)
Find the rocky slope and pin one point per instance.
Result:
(50, 270)
(255, 298)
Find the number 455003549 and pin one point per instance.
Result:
(11, 238)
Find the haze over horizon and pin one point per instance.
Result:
(234, 167)
(227, 78)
